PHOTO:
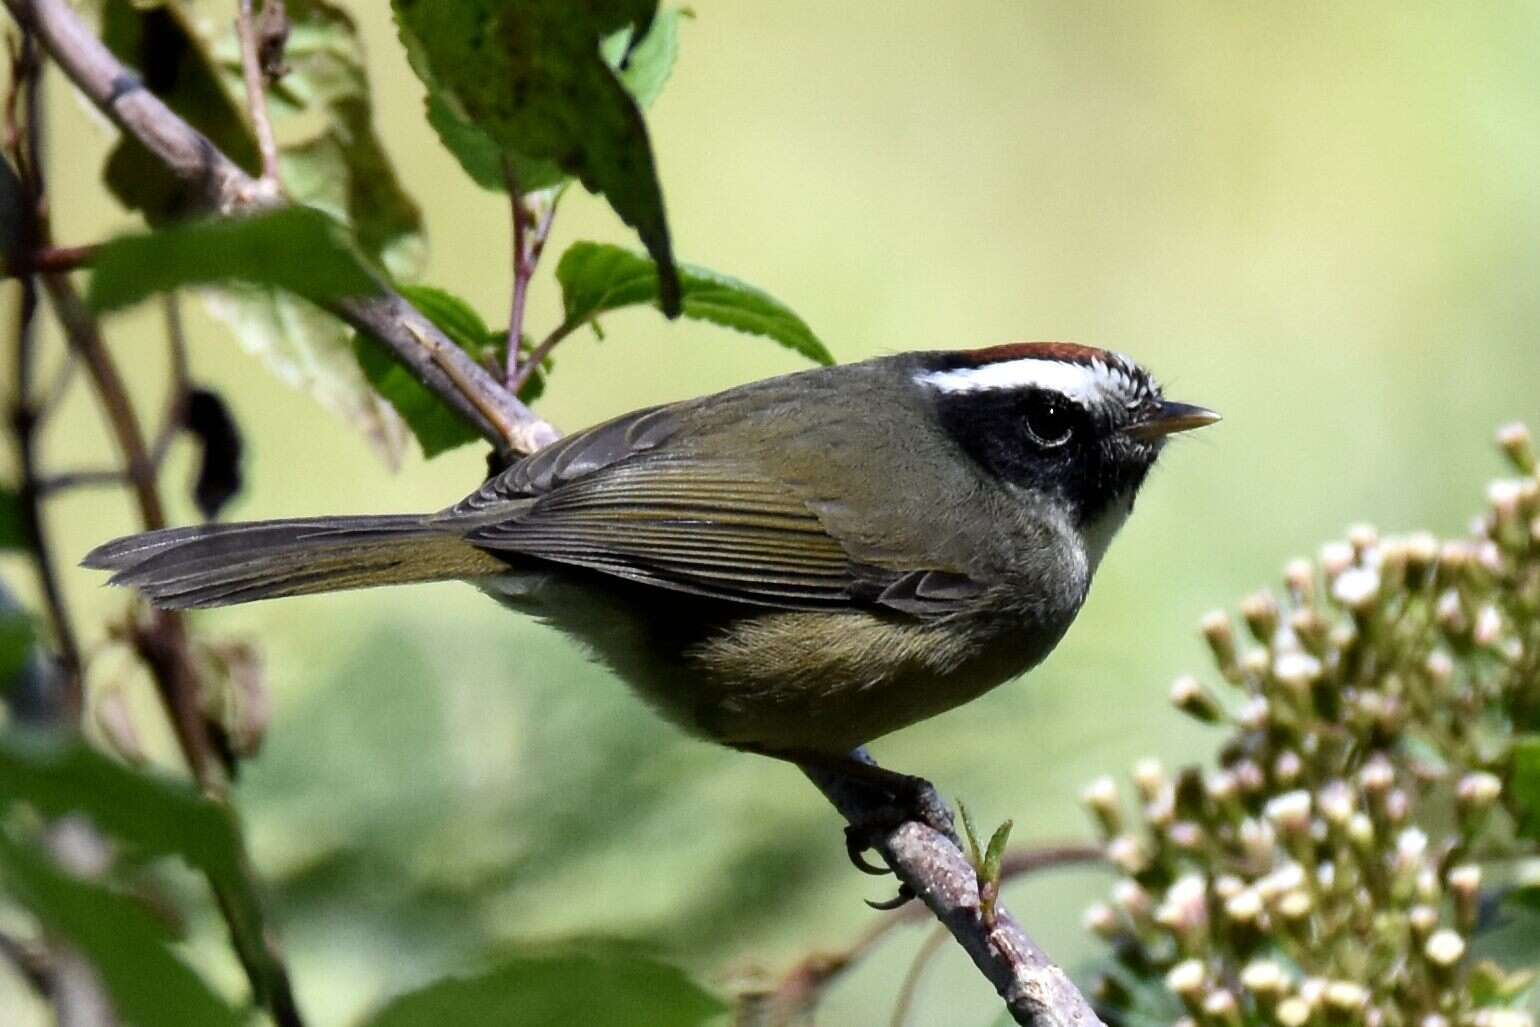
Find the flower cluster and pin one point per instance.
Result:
(1340, 861)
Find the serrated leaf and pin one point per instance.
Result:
(12, 533)
(437, 427)
(126, 946)
(1525, 784)
(296, 249)
(600, 985)
(643, 74)
(532, 78)
(596, 278)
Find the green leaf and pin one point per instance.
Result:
(437, 426)
(531, 77)
(296, 249)
(596, 278)
(16, 638)
(156, 816)
(601, 985)
(643, 74)
(123, 942)
(12, 533)
(645, 67)
(1525, 784)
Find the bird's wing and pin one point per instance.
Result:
(619, 500)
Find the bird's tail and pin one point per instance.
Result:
(224, 564)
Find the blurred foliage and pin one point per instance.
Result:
(1376, 812)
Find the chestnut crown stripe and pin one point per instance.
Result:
(1079, 373)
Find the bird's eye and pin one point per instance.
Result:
(1050, 419)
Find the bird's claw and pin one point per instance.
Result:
(857, 842)
(905, 895)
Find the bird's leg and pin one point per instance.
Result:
(901, 798)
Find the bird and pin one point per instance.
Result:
(792, 567)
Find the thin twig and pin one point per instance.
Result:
(256, 94)
(911, 984)
(50, 258)
(531, 227)
(522, 272)
(538, 355)
(70, 480)
(181, 381)
(24, 131)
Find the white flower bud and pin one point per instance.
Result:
(1299, 578)
(1336, 557)
(1264, 977)
(1292, 1012)
(1102, 920)
(1377, 775)
(1347, 996)
(1445, 948)
(1149, 778)
(1129, 854)
(1287, 767)
(1478, 790)
(1357, 589)
(1133, 899)
(1296, 670)
(1289, 812)
(1439, 666)
(1489, 626)
(1260, 611)
(1360, 831)
(1289, 877)
(1296, 905)
(1189, 696)
(1186, 978)
(1253, 713)
(1514, 440)
(1244, 907)
(1423, 920)
(1363, 537)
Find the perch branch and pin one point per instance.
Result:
(797, 993)
(1035, 991)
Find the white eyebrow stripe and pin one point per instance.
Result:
(1081, 382)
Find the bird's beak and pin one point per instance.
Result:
(1170, 418)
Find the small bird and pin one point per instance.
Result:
(793, 567)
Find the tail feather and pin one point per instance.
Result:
(224, 564)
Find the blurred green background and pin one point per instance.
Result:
(1320, 219)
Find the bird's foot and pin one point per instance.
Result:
(890, 800)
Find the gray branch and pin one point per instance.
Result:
(1035, 990)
